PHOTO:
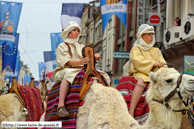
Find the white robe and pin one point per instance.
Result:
(65, 71)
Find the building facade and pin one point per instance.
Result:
(2, 76)
(93, 35)
(24, 69)
(179, 40)
(123, 40)
(174, 42)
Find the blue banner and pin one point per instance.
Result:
(27, 79)
(9, 55)
(8, 71)
(41, 67)
(17, 66)
(56, 39)
(48, 61)
(71, 12)
(110, 7)
(10, 79)
(9, 18)
(36, 83)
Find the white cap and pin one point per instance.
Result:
(69, 27)
(144, 28)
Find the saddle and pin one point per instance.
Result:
(15, 90)
(90, 71)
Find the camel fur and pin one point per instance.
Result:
(11, 109)
(105, 108)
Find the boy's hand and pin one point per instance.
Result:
(97, 56)
(84, 60)
(160, 64)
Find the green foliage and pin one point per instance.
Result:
(156, 45)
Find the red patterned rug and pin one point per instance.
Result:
(33, 102)
(71, 102)
(126, 86)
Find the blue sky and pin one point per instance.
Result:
(38, 19)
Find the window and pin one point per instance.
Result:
(91, 35)
(88, 38)
(97, 33)
(121, 29)
(110, 22)
(120, 61)
(100, 28)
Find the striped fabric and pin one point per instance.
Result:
(126, 86)
(33, 102)
(71, 102)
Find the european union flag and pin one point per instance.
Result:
(8, 71)
(9, 55)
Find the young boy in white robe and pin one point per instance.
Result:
(70, 63)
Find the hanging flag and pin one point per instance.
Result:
(71, 12)
(9, 17)
(17, 66)
(48, 61)
(110, 7)
(36, 83)
(10, 73)
(27, 79)
(9, 55)
(41, 67)
(56, 39)
(10, 79)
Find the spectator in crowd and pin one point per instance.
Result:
(177, 22)
(189, 15)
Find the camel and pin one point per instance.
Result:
(44, 86)
(105, 108)
(12, 107)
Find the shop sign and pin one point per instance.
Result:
(188, 65)
(154, 19)
(121, 54)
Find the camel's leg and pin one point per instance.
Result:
(106, 126)
(43, 116)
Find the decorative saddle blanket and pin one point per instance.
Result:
(126, 86)
(33, 102)
(71, 102)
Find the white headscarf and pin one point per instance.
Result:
(144, 28)
(69, 27)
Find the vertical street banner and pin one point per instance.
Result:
(110, 7)
(8, 71)
(36, 83)
(9, 18)
(27, 79)
(17, 72)
(41, 67)
(56, 39)
(48, 61)
(71, 12)
(188, 65)
(9, 55)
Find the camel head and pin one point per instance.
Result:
(163, 97)
(164, 81)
